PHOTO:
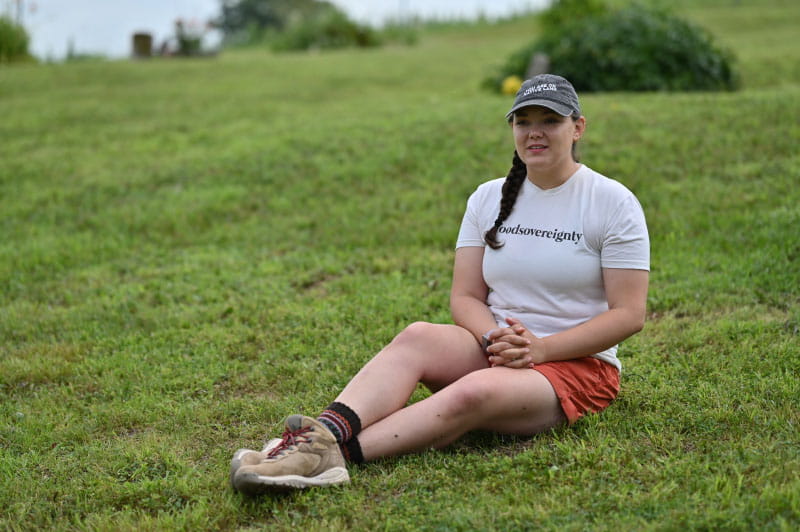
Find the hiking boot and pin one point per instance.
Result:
(251, 457)
(308, 455)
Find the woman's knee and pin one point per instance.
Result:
(470, 396)
(419, 333)
(440, 354)
(408, 346)
(417, 339)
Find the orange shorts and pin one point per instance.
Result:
(582, 385)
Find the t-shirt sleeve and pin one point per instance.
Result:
(626, 243)
(472, 226)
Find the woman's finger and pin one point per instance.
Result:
(496, 334)
(513, 340)
(521, 362)
(511, 353)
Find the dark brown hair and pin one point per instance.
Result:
(516, 176)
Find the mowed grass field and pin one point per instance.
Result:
(192, 250)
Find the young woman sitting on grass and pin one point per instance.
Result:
(550, 274)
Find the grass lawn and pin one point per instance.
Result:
(191, 250)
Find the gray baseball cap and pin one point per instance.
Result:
(547, 90)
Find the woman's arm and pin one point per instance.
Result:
(468, 293)
(626, 292)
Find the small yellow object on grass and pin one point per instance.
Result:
(511, 85)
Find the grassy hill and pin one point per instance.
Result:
(194, 249)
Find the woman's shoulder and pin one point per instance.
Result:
(604, 185)
(488, 191)
(492, 185)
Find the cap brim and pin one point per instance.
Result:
(563, 110)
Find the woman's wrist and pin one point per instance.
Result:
(486, 342)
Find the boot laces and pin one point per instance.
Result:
(290, 438)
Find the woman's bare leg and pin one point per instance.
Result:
(468, 395)
(435, 355)
(511, 401)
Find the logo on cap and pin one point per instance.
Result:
(540, 88)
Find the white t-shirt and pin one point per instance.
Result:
(548, 274)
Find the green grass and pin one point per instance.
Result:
(194, 249)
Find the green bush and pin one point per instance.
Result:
(561, 13)
(248, 21)
(638, 49)
(13, 41)
(552, 20)
(329, 29)
(629, 49)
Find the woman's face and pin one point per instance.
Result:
(544, 139)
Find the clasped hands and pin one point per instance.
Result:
(514, 346)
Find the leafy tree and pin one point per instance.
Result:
(248, 20)
(13, 41)
(292, 25)
(325, 31)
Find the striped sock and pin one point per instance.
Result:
(341, 421)
(351, 450)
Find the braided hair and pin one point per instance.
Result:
(516, 176)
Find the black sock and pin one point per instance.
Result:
(341, 421)
(351, 451)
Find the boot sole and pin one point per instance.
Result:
(236, 462)
(255, 484)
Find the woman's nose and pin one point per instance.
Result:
(535, 132)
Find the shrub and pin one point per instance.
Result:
(629, 49)
(13, 41)
(564, 12)
(552, 20)
(329, 29)
(248, 21)
(640, 49)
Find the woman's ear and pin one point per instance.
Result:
(580, 127)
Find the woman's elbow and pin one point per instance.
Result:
(637, 320)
